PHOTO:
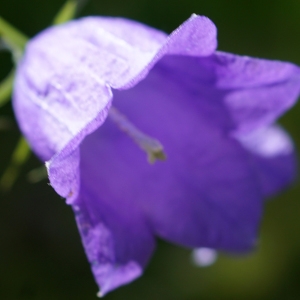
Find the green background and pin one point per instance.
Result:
(41, 256)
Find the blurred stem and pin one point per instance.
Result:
(11, 35)
(19, 157)
(37, 174)
(69, 11)
(16, 42)
(6, 123)
(66, 13)
(14, 39)
(6, 88)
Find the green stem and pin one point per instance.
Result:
(66, 13)
(19, 156)
(6, 88)
(14, 38)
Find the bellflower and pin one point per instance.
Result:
(93, 95)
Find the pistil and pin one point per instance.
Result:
(150, 145)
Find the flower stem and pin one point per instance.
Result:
(6, 88)
(66, 13)
(69, 11)
(14, 38)
(19, 156)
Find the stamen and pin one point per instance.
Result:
(153, 147)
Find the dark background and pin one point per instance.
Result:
(41, 256)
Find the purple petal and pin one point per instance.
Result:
(272, 156)
(204, 107)
(261, 90)
(116, 238)
(66, 93)
(183, 188)
(207, 172)
(72, 95)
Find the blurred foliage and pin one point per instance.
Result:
(41, 256)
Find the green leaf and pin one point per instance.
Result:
(67, 12)
(6, 88)
(19, 157)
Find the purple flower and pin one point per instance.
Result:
(212, 112)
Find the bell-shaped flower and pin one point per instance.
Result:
(97, 95)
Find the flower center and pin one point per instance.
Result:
(151, 146)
